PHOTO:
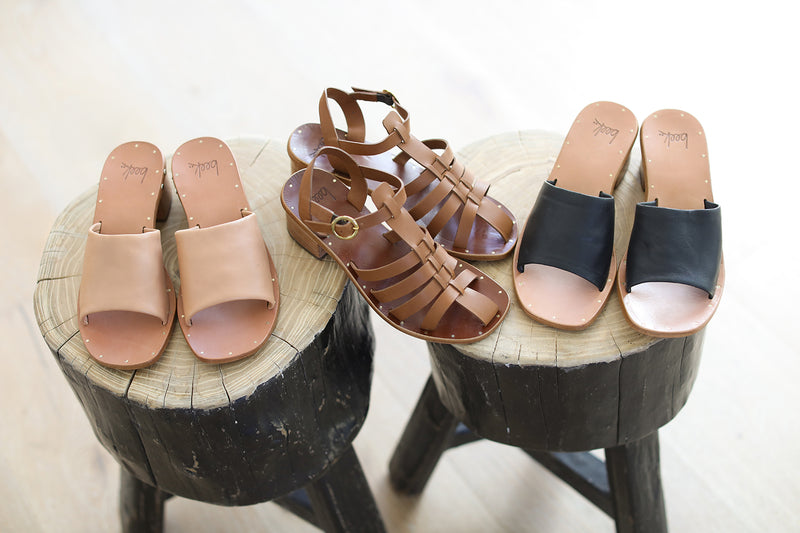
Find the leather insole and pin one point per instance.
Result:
(591, 160)
(127, 201)
(207, 181)
(676, 173)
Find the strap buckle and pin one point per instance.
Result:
(344, 218)
(386, 97)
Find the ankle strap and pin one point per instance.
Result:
(356, 128)
(391, 187)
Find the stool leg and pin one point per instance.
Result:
(141, 507)
(634, 475)
(427, 435)
(341, 498)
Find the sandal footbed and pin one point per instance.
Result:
(592, 159)
(128, 197)
(675, 171)
(207, 180)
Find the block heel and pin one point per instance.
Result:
(165, 200)
(305, 238)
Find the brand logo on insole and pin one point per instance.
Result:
(130, 170)
(602, 129)
(199, 168)
(317, 148)
(322, 194)
(670, 138)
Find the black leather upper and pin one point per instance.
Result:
(675, 245)
(570, 231)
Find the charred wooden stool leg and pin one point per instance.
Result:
(141, 506)
(634, 475)
(428, 434)
(341, 498)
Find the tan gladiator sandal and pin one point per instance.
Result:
(442, 194)
(407, 278)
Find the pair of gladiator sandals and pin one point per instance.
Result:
(401, 217)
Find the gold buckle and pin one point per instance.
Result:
(352, 222)
(386, 97)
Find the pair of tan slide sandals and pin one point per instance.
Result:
(399, 216)
(229, 295)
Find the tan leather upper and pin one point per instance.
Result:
(223, 263)
(124, 272)
(429, 271)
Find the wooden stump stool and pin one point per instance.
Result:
(550, 391)
(275, 426)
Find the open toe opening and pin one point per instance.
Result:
(230, 330)
(668, 309)
(125, 339)
(559, 298)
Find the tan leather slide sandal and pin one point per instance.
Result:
(441, 193)
(672, 278)
(564, 264)
(407, 278)
(228, 298)
(126, 303)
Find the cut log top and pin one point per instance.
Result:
(310, 291)
(517, 164)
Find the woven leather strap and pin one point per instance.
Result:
(457, 186)
(223, 263)
(427, 270)
(124, 272)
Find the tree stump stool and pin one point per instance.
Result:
(550, 391)
(277, 425)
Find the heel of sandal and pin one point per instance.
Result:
(296, 165)
(624, 170)
(165, 199)
(304, 237)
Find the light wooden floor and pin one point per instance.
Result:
(77, 78)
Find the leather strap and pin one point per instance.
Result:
(571, 231)
(356, 131)
(675, 245)
(431, 281)
(223, 263)
(357, 196)
(124, 272)
(457, 184)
